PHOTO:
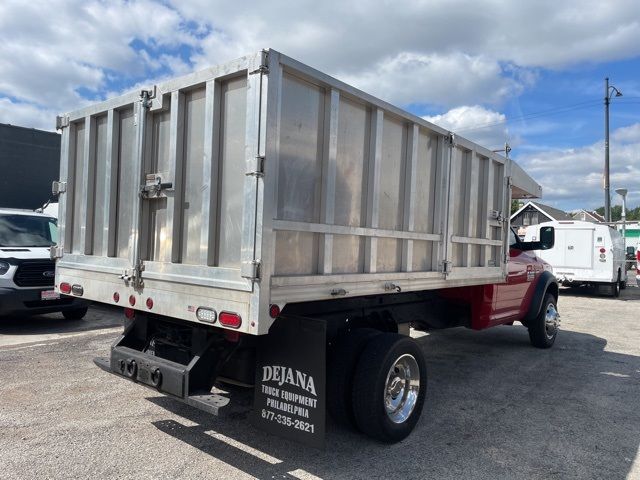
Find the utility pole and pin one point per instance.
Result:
(607, 198)
(608, 92)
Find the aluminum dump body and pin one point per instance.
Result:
(263, 181)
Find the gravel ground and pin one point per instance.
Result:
(496, 408)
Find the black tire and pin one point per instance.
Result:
(621, 284)
(615, 288)
(75, 314)
(343, 359)
(370, 387)
(539, 335)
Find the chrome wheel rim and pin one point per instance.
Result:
(551, 321)
(402, 388)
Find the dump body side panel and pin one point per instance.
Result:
(363, 198)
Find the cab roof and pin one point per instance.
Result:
(19, 211)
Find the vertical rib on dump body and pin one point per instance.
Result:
(263, 181)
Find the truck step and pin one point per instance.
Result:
(208, 402)
(103, 363)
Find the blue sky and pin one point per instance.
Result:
(530, 73)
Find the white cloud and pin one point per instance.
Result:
(25, 114)
(627, 134)
(436, 52)
(351, 36)
(51, 50)
(481, 125)
(435, 79)
(573, 178)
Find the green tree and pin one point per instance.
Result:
(515, 206)
(616, 213)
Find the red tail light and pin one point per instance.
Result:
(116, 297)
(231, 320)
(149, 303)
(274, 310)
(129, 313)
(132, 300)
(65, 288)
(603, 250)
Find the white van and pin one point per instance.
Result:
(585, 254)
(27, 273)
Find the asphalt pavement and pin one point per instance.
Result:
(496, 408)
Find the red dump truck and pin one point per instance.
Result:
(266, 225)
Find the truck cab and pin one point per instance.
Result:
(521, 296)
(513, 297)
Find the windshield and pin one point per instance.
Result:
(27, 231)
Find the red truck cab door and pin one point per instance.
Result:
(512, 297)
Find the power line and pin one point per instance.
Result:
(549, 112)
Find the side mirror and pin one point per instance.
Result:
(547, 240)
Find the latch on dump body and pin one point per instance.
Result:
(497, 216)
(153, 186)
(134, 275)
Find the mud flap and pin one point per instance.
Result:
(290, 385)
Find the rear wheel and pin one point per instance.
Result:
(615, 287)
(544, 328)
(343, 359)
(75, 314)
(389, 387)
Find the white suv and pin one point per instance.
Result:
(27, 273)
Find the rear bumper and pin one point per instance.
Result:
(28, 302)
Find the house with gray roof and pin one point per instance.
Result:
(533, 213)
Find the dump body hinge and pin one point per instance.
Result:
(58, 187)
(250, 270)
(263, 69)
(392, 287)
(257, 167)
(55, 252)
(446, 267)
(62, 121)
(146, 96)
(264, 66)
(338, 292)
(451, 139)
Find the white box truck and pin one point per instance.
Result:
(265, 224)
(585, 253)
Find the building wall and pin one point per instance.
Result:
(29, 162)
(529, 216)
